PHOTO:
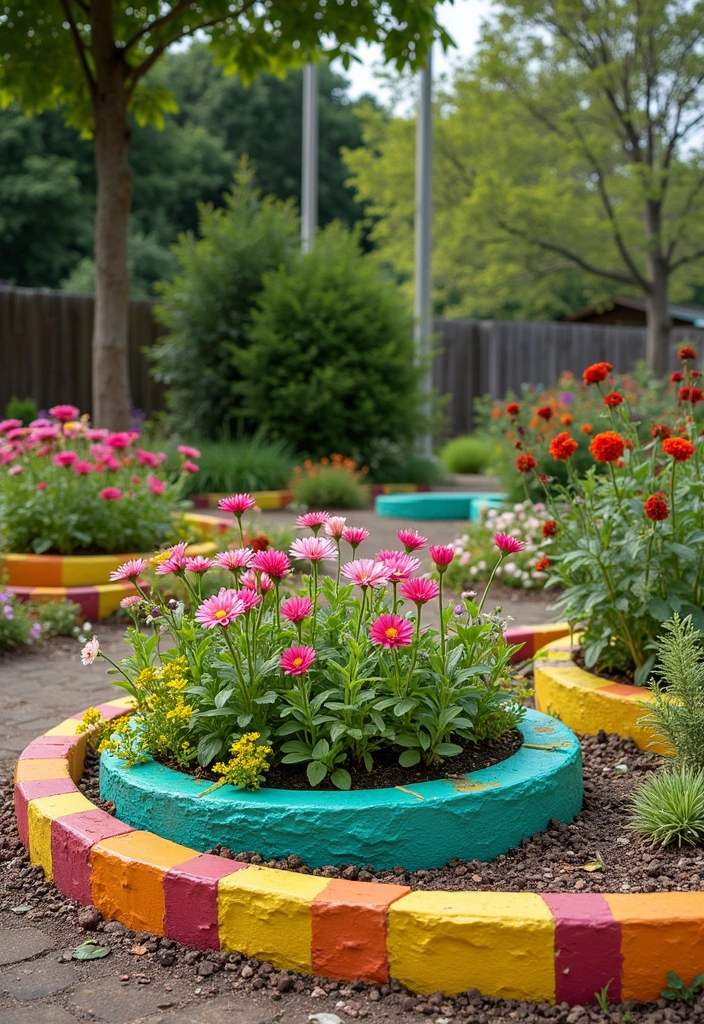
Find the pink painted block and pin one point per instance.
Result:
(50, 746)
(72, 838)
(26, 791)
(108, 712)
(587, 947)
(191, 894)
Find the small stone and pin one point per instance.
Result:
(192, 956)
(205, 969)
(350, 873)
(166, 958)
(246, 972)
(601, 737)
(318, 992)
(114, 928)
(365, 876)
(284, 983)
(89, 918)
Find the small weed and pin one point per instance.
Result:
(676, 988)
(602, 997)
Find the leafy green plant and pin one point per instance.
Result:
(679, 990)
(330, 364)
(669, 808)
(404, 469)
(249, 464)
(59, 618)
(470, 453)
(602, 996)
(208, 305)
(676, 713)
(24, 409)
(327, 486)
(16, 625)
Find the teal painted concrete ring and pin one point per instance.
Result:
(477, 816)
(438, 504)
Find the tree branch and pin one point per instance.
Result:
(573, 257)
(154, 26)
(80, 48)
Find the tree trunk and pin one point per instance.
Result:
(658, 323)
(111, 387)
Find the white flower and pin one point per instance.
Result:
(465, 558)
(90, 651)
(482, 566)
(498, 570)
(87, 626)
(473, 570)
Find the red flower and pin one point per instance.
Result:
(525, 463)
(542, 564)
(687, 352)
(607, 447)
(656, 508)
(260, 543)
(513, 409)
(545, 412)
(563, 447)
(692, 395)
(613, 399)
(597, 372)
(549, 528)
(676, 377)
(694, 374)
(661, 430)
(679, 448)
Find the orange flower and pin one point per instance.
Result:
(495, 413)
(586, 428)
(513, 409)
(542, 564)
(563, 447)
(597, 372)
(679, 448)
(549, 528)
(566, 419)
(656, 508)
(607, 447)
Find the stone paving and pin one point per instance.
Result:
(39, 984)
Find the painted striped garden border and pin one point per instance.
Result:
(529, 946)
(273, 501)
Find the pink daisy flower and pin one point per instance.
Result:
(190, 467)
(174, 561)
(220, 610)
(91, 434)
(41, 485)
(399, 565)
(365, 572)
(275, 563)
(411, 540)
(249, 581)
(82, 467)
(239, 558)
(65, 413)
(44, 434)
(145, 458)
(130, 602)
(315, 549)
(354, 535)
(313, 520)
(90, 651)
(442, 555)
(297, 660)
(15, 471)
(420, 591)
(190, 453)
(6, 425)
(296, 609)
(64, 458)
(508, 545)
(111, 494)
(155, 485)
(335, 526)
(249, 598)
(198, 564)
(130, 570)
(110, 462)
(238, 504)
(120, 439)
(391, 631)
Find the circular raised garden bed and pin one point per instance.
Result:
(589, 703)
(85, 579)
(544, 947)
(270, 501)
(437, 505)
(421, 825)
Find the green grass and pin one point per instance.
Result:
(668, 809)
(469, 453)
(251, 464)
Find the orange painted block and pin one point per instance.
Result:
(349, 930)
(127, 878)
(33, 570)
(660, 932)
(41, 768)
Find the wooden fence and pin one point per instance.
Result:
(45, 344)
(475, 358)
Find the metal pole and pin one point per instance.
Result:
(309, 176)
(423, 298)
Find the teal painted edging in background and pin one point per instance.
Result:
(423, 826)
(438, 504)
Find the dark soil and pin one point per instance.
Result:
(614, 675)
(387, 771)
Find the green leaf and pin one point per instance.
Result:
(90, 950)
(674, 980)
(640, 676)
(208, 749)
(321, 749)
(23, 909)
(408, 758)
(448, 749)
(341, 779)
(404, 706)
(316, 772)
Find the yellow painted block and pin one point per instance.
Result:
(120, 702)
(268, 500)
(90, 570)
(40, 814)
(266, 914)
(69, 727)
(109, 598)
(499, 943)
(36, 768)
(571, 695)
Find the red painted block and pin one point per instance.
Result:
(26, 791)
(349, 930)
(519, 635)
(72, 837)
(587, 947)
(191, 895)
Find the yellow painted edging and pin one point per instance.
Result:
(586, 702)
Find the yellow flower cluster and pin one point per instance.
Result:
(248, 765)
(92, 722)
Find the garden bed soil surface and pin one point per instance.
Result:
(595, 853)
(387, 771)
(613, 675)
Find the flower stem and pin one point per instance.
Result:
(489, 582)
(442, 624)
